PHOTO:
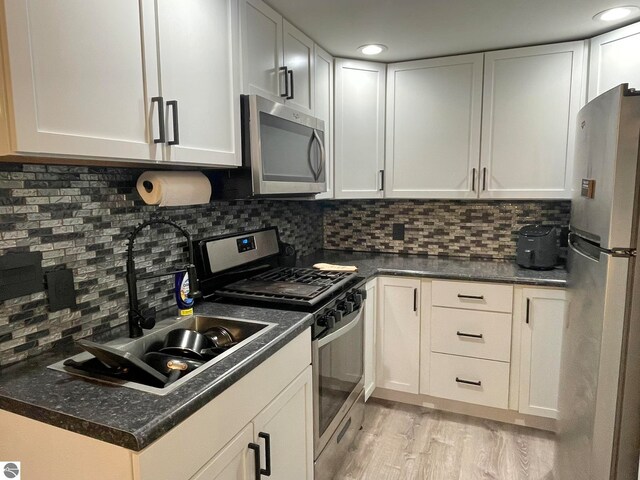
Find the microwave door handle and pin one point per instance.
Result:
(341, 331)
(313, 170)
(323, 155)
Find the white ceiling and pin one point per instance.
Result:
(430, 28)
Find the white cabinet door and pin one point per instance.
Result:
(359, 129)
(398, 362)
(433, 127)
(299, 60)
(370, 339)
(614, 59)
(78, 79)
(199, 58)
(323, 108)
(531, 98)
(261, 28)
(288, 421)
(542, 326)
(234, 462)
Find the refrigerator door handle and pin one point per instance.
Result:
(576, 249)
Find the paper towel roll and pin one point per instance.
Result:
(172, 189)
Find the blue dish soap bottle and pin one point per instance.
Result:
(184, 301)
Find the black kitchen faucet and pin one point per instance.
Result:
(138, 321)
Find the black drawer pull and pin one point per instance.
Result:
(469, 382)
(470, 335)
(472, 297)
(415, 299)
(256, 449)
(528, 310)
(267, 453)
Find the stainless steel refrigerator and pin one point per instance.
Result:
(599, 404)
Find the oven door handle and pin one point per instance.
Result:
(341, 331)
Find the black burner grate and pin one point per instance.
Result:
(288, 285)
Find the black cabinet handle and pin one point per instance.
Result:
(484, 178)
(176, 129)
(161, 138)
(267, 453)
(415, 299)
(528, 309)
(256, 449)
(290, 73)
(469, 382)
(286, 82)
(472, 297)
(470, 335)
(381, 180)
(473, 179)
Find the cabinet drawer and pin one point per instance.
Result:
(471, 333)
(473, 295)
(450, 372)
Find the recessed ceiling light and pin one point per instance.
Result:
(617, 13)
(372, 49)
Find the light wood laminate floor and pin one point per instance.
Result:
(407, 442)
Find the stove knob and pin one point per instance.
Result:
(328, 320)
(346, 307)
(337, 315)
(356, 298)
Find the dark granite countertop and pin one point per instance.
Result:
(131, 418)
(134, 419)
(454, 268)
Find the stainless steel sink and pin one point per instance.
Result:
(243, 331)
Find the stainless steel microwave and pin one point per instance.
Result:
(284, 148)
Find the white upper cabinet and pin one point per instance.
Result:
(323, 107)
(614, 59)
(136, 80)
(199, 58)
(531, 98)
(433, 127)
(261, 30)
(277, 58)
(359, 129)
(77, 79)
(298, 60)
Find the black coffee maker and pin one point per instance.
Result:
(537, 247)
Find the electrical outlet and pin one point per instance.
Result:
(398, 231)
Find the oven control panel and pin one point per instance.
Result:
(246, 244)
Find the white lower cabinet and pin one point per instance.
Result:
(541, 322)
(370, 339)
(233, 462)
(287, 425)
(398, 362)
(486, 344)
(471, 380)
(214, 443)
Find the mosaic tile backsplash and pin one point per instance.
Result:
(437, 227)
(79, 218)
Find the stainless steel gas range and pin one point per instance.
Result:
(245, 268)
